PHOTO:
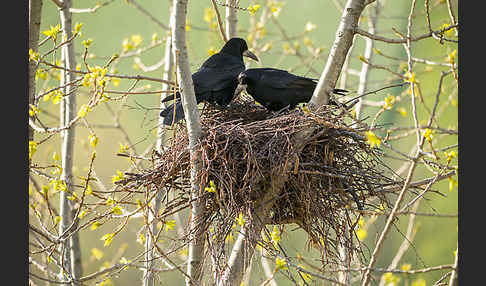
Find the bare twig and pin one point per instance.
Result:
(220, 22)
(403, 41)
(90, 10)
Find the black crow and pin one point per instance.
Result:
(215, 81)
(278, 89)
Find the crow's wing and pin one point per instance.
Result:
(276, 78)
(282, 79)
(171, 97)
(218, 72)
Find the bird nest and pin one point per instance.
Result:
(252, 157)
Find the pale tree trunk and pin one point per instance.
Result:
(241, 255)
(231, 19)
(453, 281)
(35, 8)
(244, 247)
(337, 55)
(166, 76)
(247, 275)
(266, 268)
(72, 253)
(191, 113)
(368, 53)
(148, 276)
(344, 276)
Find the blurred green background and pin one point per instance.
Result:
(436, 237)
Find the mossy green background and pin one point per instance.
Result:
(436, 238)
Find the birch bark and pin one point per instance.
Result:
(191, 113)
(72, 251)
(35, 8)
(231, 19)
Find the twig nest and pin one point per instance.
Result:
(245, 146)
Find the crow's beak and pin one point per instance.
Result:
(239, 89)
(251, 55)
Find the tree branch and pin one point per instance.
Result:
(220, 22)
(402, 40)
(191, 113)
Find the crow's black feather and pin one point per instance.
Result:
(214, 82)
(277, 89)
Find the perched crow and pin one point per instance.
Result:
(215, 81)
(278, 89)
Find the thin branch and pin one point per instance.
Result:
(451, 13)
(90, 10)
(136, 77)
(220, 22)
(58, 3)
(403, 41)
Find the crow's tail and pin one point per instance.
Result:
(171, 97)
(168, 113)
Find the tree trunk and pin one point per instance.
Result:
(244, 248)
(231, 19)
(266, 268)
(240, 257)
(191, 113)
(368, 53)
(35, 8)
(344, 276)
(344, 39)
(72, 254)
